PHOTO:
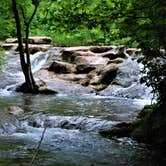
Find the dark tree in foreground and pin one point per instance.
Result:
(29, 85)
(146, 24)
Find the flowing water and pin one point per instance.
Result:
(72, 122)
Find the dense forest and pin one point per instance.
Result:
(102, 22)
(135, 24)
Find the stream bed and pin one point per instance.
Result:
(72, 146)
(73, 122)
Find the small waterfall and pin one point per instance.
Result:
(127, 79)
(38, 60)
(128, 82)
(12, 74)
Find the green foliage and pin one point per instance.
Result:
(6, 27)
(146, 25)
(85, 22)
(79, 37)
(146, 22)
(2, 55)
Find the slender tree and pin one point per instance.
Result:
(29, 85)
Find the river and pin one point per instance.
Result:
(73, 122)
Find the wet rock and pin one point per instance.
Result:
(108, 74)
(103, 75)
(78, 48)
(14, 110)
(36, 43)
(53, 55)
(101, 49)
(68, 56)
(66, 87)
(135, 91)
(36, 48)
(10, 46)
(134, 52)
(68, 122)
(111, 52)
(39, 40)
(84, 68)
(41, 88)
(62, 67)
(76, 56)
(127, 73)
(99, 87)
(152, 127)
(120, 130)
(117, 60)
(8, 121)
(95, 80)
(69, 53)
(91, 60)
(11, 40)
(71, 77)
(106, 50)
(115, 52)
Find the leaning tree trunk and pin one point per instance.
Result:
(29, 76)
(29, 85)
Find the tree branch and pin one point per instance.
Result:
(33, 14)
(38, 147)
(23, 14)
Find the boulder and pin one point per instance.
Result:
(91, 60)
(99, 87)
(84, 68)
(62, 67)
(41, 88)
(69, 53)
(108, 74)
(117, 60)
(8, 122)
(116, 51)
(83, 53)
(134, 52)
(101, 49)
(64, 83)
(68, 56)
(135, 91)
(11, 40)
(39, 40)
(95, 80)
(120, 130)
(32, 40)
(34, 48)
(44, 89)
(66, 87)
(73, 49)
(14, 110)
(10, 46)
(127, 73)
(111, 52)
(71, 77)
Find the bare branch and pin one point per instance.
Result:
(38, 147)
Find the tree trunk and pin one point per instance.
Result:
(29, 85)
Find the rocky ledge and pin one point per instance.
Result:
(104, 70)
(92, 69)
